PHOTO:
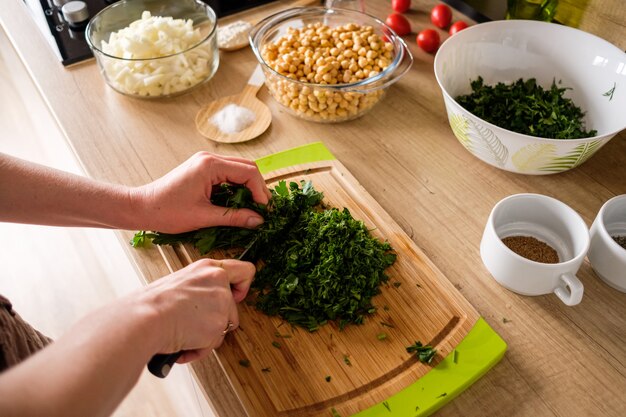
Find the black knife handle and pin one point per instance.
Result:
(161, 364)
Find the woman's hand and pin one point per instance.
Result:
(180, 201)
(91, 368)
(195, 305)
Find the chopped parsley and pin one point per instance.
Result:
(525, 107)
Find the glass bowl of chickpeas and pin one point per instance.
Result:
(328, 65)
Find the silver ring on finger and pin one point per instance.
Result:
(229, 327)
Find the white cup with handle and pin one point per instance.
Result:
(606, 256)
(548, 220)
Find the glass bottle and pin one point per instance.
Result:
(532, 9)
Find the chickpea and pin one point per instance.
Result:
(327, 56)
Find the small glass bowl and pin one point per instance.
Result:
(308, 100)
(164, 76)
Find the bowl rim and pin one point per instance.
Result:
(511, 22)
(294, 12)
(122, 3)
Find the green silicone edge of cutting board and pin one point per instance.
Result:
(313, 152)
(478, 352)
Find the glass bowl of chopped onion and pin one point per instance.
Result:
(532, 97)
(155, 48)
(328, 65)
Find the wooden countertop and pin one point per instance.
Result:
(561, 360)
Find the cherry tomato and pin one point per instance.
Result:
(441, 16)
(457, 26)
(399, 24)
(400, 6)
(428, 40)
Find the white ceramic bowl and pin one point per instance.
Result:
(504, 51)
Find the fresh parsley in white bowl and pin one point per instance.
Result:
(591, 71)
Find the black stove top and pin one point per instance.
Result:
(68, 40)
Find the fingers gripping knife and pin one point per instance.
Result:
(161, 364)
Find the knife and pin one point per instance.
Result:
(161, 364)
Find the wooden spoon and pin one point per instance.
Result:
(247, 98)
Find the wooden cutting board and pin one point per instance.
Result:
(289, 367)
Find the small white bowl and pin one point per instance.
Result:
(606, 256)
(504, 51)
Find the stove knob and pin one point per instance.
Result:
(59, 3)
(75, 12)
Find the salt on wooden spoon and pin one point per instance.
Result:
(247, 99)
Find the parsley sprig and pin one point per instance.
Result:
(425, 354)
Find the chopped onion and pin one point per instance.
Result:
(159, 59)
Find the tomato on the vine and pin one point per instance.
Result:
(399, 24)
(441, 16)
(457, 26)
(400, 6)
(428, 40)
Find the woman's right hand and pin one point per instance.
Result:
(195, 305)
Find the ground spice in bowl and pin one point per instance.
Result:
(621, 240)
(531, 248)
